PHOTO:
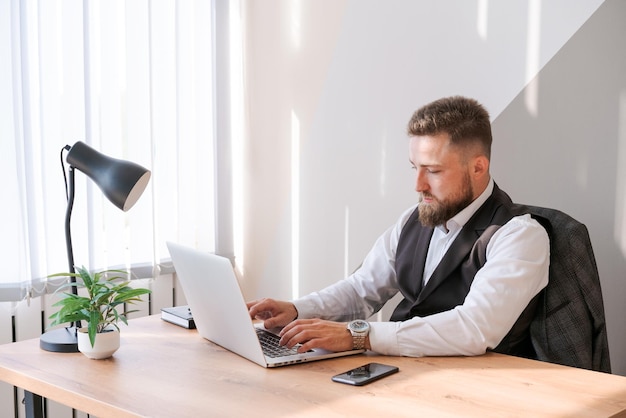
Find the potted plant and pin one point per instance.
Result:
(106, 291)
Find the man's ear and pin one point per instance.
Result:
(480, 166)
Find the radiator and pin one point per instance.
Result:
(24, 321)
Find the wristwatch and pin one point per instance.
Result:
(359, 330)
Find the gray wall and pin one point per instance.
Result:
(330, 85)
(571, 155)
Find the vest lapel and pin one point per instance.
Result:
(456, 253)
(419, 260)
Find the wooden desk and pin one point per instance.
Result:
(162, 370)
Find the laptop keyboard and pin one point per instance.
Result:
(271, 345)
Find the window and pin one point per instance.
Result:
(134, 81)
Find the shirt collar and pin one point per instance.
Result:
(460, 219)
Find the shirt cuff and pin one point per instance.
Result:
(383, 337)
(306, 308)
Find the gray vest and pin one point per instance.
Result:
(450, 282)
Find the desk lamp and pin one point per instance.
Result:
(122, 182)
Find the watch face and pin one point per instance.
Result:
(359, 326)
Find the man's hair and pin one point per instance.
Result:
(465, 120)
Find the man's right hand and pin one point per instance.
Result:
(273, 313)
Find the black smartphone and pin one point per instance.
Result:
(365, 374)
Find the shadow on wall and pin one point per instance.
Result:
(572, 155)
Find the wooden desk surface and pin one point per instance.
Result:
(162, 370)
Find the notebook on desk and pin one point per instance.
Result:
(220, 311)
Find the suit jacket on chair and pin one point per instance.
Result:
(569, 325)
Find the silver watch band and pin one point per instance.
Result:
(358, 342)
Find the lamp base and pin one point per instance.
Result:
(62, 340)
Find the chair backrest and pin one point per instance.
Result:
(569, 326)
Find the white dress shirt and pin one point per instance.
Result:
(516, 269)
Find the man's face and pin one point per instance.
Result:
(443, 179)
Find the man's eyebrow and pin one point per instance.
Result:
(425, 164)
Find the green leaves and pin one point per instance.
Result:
(99, 308)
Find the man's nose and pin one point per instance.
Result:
(420, 182)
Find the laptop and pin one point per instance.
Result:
(220, 312)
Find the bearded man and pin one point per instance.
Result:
(468, 267)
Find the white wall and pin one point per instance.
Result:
(331, 85)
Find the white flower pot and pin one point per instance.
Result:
(105, 345)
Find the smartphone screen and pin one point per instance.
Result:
(365, 374)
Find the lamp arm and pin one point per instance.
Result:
(68, 234)
(68, 216)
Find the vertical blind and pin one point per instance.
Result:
(133, 79)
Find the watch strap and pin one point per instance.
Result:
(358, 342)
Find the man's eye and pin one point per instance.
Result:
(432, 171)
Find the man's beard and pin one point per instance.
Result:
(440, 211)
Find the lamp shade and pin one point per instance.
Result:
(122, 182)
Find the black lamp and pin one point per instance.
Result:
(122, 182)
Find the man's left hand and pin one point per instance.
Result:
(316, 333)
